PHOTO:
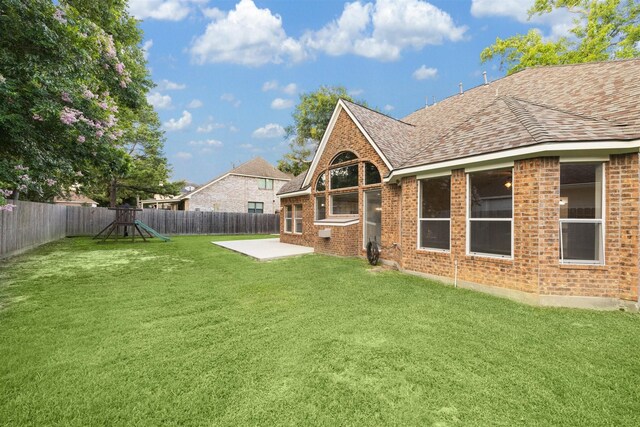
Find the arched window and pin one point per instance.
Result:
(371, 174)
(344, 156)
(320, 183)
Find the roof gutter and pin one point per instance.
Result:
(295, 193)
(581, 149)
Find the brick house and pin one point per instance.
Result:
(527, 187)
(250, 188)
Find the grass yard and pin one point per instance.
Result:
(187, 333)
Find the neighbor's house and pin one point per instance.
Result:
(526, 187)
(250, 187)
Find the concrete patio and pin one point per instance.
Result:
(265, 249)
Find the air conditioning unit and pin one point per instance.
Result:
(325, 233)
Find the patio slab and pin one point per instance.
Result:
(265, 249)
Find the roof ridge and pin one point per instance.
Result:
(538, 132)
(571, 113)
(377, 112)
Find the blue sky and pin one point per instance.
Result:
(230, 72)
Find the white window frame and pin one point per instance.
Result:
(420, 219)
(263, 183)
(600, 221)
(469, 219)
(315, 206)
(296, 219)
(255, 207)
(288, 225)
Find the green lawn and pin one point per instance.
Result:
(186, 333)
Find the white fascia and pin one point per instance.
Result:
(295, 194)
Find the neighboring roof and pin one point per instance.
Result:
(579, 103)
(294, 185)
(257, 167)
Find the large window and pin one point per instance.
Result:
(371, 174)
(344, 177)
(344, 156)
(298, 218)
(490, 213)
(321, 208)
(256, 207)
(320, 184)
(435, 213)
(344, 204)
(288, 219)
(581, 213)
(265, 184)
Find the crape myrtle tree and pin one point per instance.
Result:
(310, 120)
(73, 109)
(603, 30)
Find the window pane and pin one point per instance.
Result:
(321, 208)
(269, 184)
(345, 156)
(261, 183)
(344, 177)
(344, 204)
(320, 184)
(490, 194)
(581, 242)
(436, 198)
(371, 174)
(490, 237)
(434, 234)
(298, 218)
(288, 218)
(581, 190)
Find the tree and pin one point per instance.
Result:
(311, 118)
(73, 109)
(603, 29)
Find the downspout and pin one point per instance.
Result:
(455, 272)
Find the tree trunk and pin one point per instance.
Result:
(113, 193)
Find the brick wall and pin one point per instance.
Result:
(233, 193)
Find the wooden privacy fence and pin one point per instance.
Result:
(32, 224)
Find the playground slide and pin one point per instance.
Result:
(151, 230)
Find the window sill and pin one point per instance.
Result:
(433, 251)
(593, 267)
(490, 258)
(340, 221)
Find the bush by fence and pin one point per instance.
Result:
(32, 224)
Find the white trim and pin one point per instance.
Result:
(434, 174)
(337, 224)
(584, 159)
(546, 149)
(488, 167)
(294, 194)
(321, 147)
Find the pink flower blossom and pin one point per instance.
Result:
(79, 173)
(99, 133)
(21, 168)
(81, 139)
(123, 84)
(103, 105)
(6, 193)
(38, 117)
(105, 66)
(114, 108)
(24, 178)
(112, 136)
(119, 67)
(69, 116)
(2, 79)
(87, 94)
(22, 187)
(8, 207)
(65, 97)
(50, 182)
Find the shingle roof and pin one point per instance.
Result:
(597, 101)
(294, 185)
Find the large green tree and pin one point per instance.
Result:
(310, 120)
(73, 109)
(603, 29)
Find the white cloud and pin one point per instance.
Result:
(179, 124)
(290, 89)
(169, 85)
(146, 46)
(212, 13)
(246, 35)
(231, 99)
(159, 101)
(271, 130)
(168, 10)
(559, 21)
(195, 103)
(233, 129)
(209, 127)
(384, 29)
(424, 73)
(356, 92)
(207, 142)
(281, 104)
(183, 155)
(389, 107)
(270, 85)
